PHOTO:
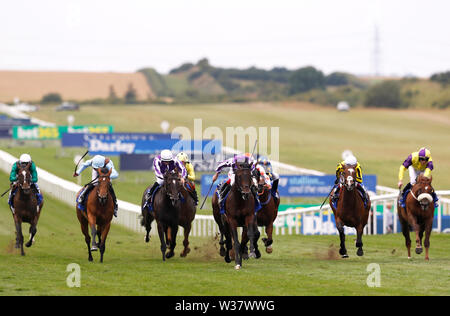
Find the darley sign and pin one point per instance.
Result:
(36, 132)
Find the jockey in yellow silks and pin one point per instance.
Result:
(419, 162)
(184, 159)
(350, 161)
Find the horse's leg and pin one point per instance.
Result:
(244, 241)
(428, 229)
(268, 241)
(359, 243)
(340, 228)
(251, 226)
(257, 235)
(186, 250)
(19, 235)
(85, 230)
(92, 225)
(105, 231)
(236, 245)
(416, 227)
(162, 240)
(33, 231)
(405, 232)
(148, 226)
(172, 240)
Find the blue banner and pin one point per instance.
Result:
(84, 139)
(136, 162)
(315, 186)
(300, 185)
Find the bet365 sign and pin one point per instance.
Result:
(55, 132)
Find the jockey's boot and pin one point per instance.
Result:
(116, 206)
(435, 199)
(149, 195)
(256, 196)
(223, 191)
(38, 193)
(402, 197)
(363, 190)
(82, 197)
(275, 188)
(335, 194)
(194, 196)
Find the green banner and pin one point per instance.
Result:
(36, 132)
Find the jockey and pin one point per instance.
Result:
(419, 162)
(161, 164)
(97, 162)
(24, 160)
(350, 161)
(274, 177)
(231, 163)
(184, 159)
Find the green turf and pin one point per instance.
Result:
(299, 265)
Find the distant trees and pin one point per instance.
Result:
(305, 79)
(52, 97)
(384, 94)
(130, 95)
(442, 77)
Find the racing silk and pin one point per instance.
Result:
(340, 169)
(413, 160)
(160, 168)
(190, 171)
(15, 169)
(264, 175)
(231, 163)
(109, 164)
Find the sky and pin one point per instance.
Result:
(388, 37)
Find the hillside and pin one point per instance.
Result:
(32, 86)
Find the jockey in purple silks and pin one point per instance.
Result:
(231, 163)
(161, 164)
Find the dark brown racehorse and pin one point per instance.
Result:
(98, 215)
(266, 215)
(239, 212)
(173, 206)
(419, 214)
(25, 207)
(350, 210)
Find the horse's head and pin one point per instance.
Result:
(243, 180)
(423, 190)
(259, 181)
(104, 182)
(348, 177)
(24, 178)
(173, 185)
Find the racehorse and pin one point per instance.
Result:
(99, 213)
(350, 210)
(173, 206)
(265, 216)
(239, 212)
(25, 207)
(419, 214)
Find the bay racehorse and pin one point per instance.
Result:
(172, 206)
(418, 214)
(239, 212)
(98, 215)
(25, 207)
(350, 210)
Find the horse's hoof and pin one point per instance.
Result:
(258, 254)
(269, 249)
(147, 239)
(90, 259)
(170, 255)
(227, 259)
(419, 251)
(409, 258)
(94, 248)
(252, 255)
(360, 252)
(345, 256)
(245, 256)
(223, 252)
(237, 267)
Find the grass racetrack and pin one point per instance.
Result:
(310, 137)
(299, 265)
